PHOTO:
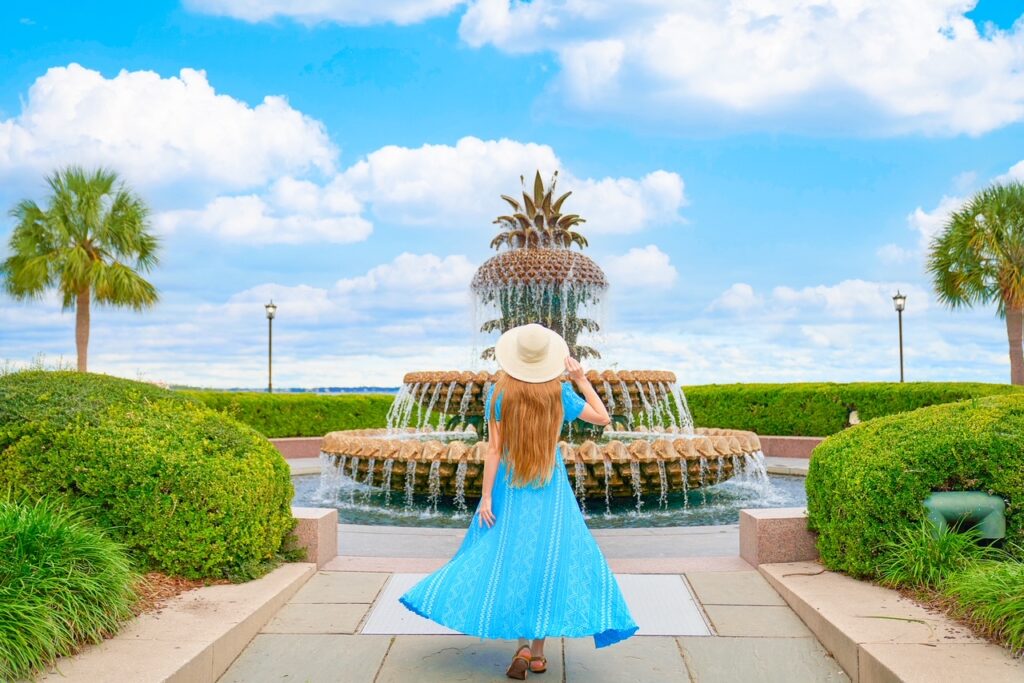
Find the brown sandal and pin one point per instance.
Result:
(543, 660)
(519, 666)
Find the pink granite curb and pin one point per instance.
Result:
(317, 532)
(776, 535)
(789, 446)
(298, 447)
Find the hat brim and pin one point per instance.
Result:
(548, 368)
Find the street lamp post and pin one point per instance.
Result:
(900, 302)
(271, 312)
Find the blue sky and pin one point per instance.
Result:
(757, 184)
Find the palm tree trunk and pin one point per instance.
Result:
(1014, 330)
(82, 329)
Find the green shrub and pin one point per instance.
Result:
(923, 557)
(62, 583)
(284, 415)
(868, 484)
(990, 595)
(819, 409)
(193, 492)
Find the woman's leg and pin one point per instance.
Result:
(537, 650)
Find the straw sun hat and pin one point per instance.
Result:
(532, 353)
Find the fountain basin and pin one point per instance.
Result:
(655, 462)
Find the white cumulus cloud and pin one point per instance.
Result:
(648, 267)
(417, 280)
(291, 211)
(157, 130)
(457, 186)
(846, 300)
(353, 12)
(739, 298)
(902, 65)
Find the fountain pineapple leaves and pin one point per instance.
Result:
(539, 279)
(538, 221)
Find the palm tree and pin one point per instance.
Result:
(90, 242)
(978, 258)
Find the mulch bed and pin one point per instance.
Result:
(156, 589)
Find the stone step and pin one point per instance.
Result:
(879, 636)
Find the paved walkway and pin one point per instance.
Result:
(711, 617)
(318, 636)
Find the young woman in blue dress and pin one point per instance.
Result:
(528, 567)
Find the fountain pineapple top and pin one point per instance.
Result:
(539, 278)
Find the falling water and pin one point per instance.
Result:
(737, 472)
(460, 486)
(755, 469)
(611, 396)
(721, 470)
(703, 479)
(425, 418)
(330, 477)
(386, 473)
(434, 486)
(467, 396)
(355, 478)
(663, 481)
(580, 472)
(686, 481)
(397, 407)
(626, 400)
(410, 483)
(369, 475)
(685, 419)
(447, 402)
(607, 487)
(666, 403)
(648, 410)
(638, 489)
(411, 401)
(657, 407)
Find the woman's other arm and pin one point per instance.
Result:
(490, 471)
(595, 413)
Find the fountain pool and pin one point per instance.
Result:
(360, 503)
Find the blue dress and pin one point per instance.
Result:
(538, 572)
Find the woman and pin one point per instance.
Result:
(529, 567)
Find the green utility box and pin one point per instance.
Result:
(968, 510)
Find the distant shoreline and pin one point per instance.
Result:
(301, 390)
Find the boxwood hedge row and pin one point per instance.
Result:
(820, 409)
(799, 409)
(868, 483)
(189, 490)
(284, 415)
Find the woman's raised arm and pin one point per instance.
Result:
(594, 412)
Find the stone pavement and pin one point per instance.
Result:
(317, 637)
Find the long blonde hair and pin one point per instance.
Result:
(531, 420)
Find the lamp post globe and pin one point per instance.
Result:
(271, 312)
(899, 302)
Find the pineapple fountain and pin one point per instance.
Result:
(431, 446)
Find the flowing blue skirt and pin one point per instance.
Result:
(538, 572)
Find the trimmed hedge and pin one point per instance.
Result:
(193, 492)
(868, 484)
(63, 583)
(284, 415)
(820, 409)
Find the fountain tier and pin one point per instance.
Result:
(420, 462)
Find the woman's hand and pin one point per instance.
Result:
(483, 511)
(575, 370)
